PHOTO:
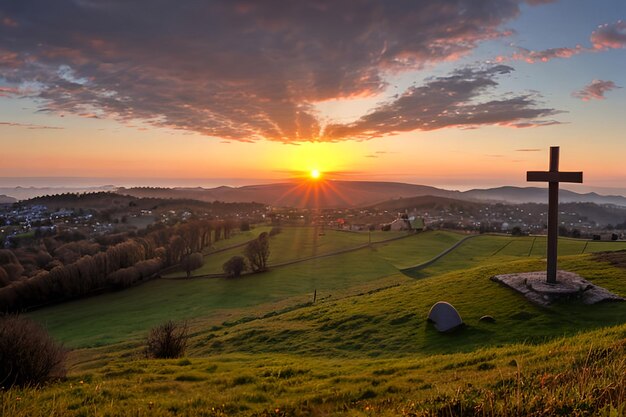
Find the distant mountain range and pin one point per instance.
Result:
(330, 194)
(25, 193)
(5, 199)
(518, 195)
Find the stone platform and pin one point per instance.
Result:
(569, 285)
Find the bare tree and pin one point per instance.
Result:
(258, 251)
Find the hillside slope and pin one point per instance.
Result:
(373, 353)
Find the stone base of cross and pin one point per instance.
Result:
(553, 177)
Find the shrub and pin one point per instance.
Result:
(167, 340)
(234, 266)
(275, 230)
(28, 355)
(245, 226)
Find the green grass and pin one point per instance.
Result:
(392, 321)
(583, 374)
(418, 248)
(489, 249)
(260, 347)
(291, 244)
(306, 361)
(114, 317)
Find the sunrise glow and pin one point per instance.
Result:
(315, 174)
(471, 108)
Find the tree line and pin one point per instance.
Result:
(55, 271)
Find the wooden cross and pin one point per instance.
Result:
(553, 177)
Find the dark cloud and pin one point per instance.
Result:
(595, 90)
(528, 150)
(241, 70)
(452, 101)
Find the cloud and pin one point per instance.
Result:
(452, 101)
(528, 150)
(8, 92)
(28, 125)
(239, 69)
(610, 36)
(545, 55)
(595, 90)
(371, 156)
(607, 36)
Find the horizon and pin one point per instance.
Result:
(78, 184)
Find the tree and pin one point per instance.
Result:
(192, 262)
(234, 266)
(257, 252)
(517, 231)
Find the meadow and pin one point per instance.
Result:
(260, 346)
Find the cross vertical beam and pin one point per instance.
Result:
(553, 217)
(553, 177)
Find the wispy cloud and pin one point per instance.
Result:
(28, 125)
(528, 150)
(607, 36)
(595, 90)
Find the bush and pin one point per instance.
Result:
(167, 340)
(28, 355)
(234, 266)
(245, 226)
(275, 230)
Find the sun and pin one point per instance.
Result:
(315, 174)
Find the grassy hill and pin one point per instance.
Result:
(259, 345)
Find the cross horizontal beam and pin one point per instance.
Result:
(554, 176)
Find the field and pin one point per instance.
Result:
(260, 346)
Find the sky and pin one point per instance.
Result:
(455, 93)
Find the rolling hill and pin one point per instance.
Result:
(333, 194)
(5, 199)
(540, 195)
(260, 347)
(298, 194)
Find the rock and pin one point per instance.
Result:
(533, 286)
(487, 319)
(444, 316)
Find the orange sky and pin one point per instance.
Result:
(490, 156)
(288, 90)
